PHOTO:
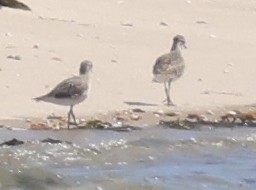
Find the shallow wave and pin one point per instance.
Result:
(153, 158)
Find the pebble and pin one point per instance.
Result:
(225, 71)
(163, 23)
(172, 114)
(210, 112)
(16, 57)
(56, 59)
(138, 110)
(159, 112)
(8, 34)
(113, 61)
(201, 22)
(35, 46)
(135, 117)
(127, 23)
(199, 79)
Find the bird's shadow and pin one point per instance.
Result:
(130, 103)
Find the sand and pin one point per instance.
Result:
(123, 38)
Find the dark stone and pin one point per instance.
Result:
(54, 141)
(14, 4)
(13, 142)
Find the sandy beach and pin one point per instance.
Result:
(123, 39)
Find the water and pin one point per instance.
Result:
(152, 159)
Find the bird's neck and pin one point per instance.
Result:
(176, 47)
(85, 76)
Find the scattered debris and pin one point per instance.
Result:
(172, 114)
(113, 61)
(36, 46)
(56, 59)
(201, 22)
(159, 112)
(95, 124)
(177, 124)
(135, 117)
(210, 112)
(225, 71)
(207, 92)
(138, 110)
(39, 126)
(127, 23)
(199, 79)
(15, 57)
(163, 23)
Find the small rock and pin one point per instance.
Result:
(7, 34)
(35, 46)
(201, 22)
(16, 57)
(159, 112)
(210, 112)
(39, 126)
(199, 79)
(138, 110)
(230, 64)
(28, 120)
(135, 117)
(13, 142)
(113, 61)
(226, 71)
(128, 24)
(56, 59)
(156, 115)
(163, 23)
(172, 114)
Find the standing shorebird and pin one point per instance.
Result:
(71, 91)
(170, 66)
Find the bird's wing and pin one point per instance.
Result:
(70, 88)
(168, 63)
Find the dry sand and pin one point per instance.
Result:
(123, 38)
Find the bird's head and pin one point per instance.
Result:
(180, 41)
(85, 67)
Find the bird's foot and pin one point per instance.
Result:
(73, 123)
(168, 102)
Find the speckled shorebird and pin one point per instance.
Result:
(169, 67)
(71, 91)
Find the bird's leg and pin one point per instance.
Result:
(69, 114)
(73, 115)
(169, 101)
(166, 92)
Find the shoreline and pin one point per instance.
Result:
(136, 116)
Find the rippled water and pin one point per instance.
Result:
(152, 158)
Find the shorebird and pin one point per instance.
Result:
(71, 91)
(170, 66)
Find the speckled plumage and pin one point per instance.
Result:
(71, 91)
(170, 66)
